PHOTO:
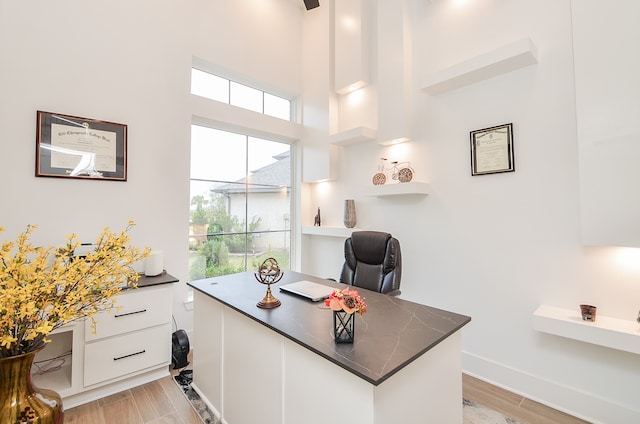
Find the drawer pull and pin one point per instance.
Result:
(127, 356)
(130, 313)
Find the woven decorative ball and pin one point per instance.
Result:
(379, 179)
(405, 175)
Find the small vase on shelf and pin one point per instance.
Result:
(350, 213)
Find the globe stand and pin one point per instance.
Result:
(269, 273)
(268, 301)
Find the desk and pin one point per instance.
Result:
(281, 366)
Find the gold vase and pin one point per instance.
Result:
(22, 402)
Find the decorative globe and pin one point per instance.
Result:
(269, 273)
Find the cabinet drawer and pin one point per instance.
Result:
(140, 308)
(112, 358)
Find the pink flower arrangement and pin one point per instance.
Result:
(347, 300)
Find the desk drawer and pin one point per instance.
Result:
(140, 308)
(112, 358)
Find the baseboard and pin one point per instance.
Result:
(206, 401)
(570, 400)
(99, 392)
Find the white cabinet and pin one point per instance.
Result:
(132, 346)
(131, 339)
(126, 354)
(137, 310)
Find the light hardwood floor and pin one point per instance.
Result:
(162, 402)
(158, 402)
(515, 406)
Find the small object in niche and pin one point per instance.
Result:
(379, 178)
(588, 313)
(269, 273)
(316, 219)
(350, 213)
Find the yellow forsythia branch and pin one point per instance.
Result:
(43, 288)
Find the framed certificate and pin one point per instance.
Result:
(73, 147)
(492, 150)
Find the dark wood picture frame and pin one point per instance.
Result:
(75, 147)
(492, 150)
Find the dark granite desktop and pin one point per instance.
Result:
(164, 278)
(390, 336)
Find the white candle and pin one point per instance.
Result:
(153, 263)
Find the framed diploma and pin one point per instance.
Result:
(73, 147)
(492, 150)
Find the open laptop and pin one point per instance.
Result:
(312, 291)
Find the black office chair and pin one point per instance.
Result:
(372, 261)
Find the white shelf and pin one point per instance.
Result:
(397, 189)
(329, 231)
(505, 59)
(605, 331)
(62, 347)
(59, 381)
(353, 136)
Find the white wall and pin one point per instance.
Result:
(126, 62)
(493, 247)
(496, 246)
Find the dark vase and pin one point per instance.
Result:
(20, 401)
(344, 326)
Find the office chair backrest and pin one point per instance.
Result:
(372, 261)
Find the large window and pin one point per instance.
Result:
(240, 202)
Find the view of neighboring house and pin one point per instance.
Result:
(265, 195)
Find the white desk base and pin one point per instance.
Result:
(250, 374)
